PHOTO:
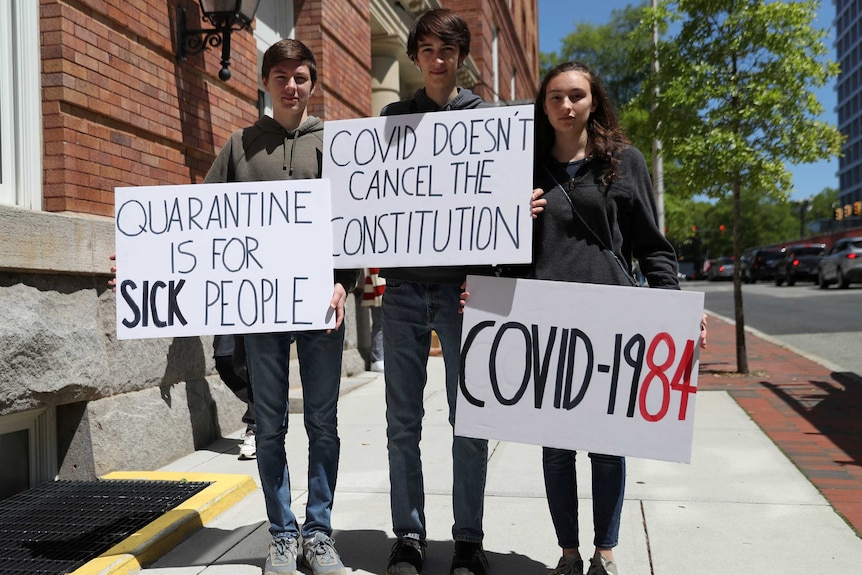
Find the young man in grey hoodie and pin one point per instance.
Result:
(289, 146)
(417, 301)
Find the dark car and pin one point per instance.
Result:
(721, 269)
(842, 264)
(799, 262)
(760, 265)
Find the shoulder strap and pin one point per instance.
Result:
(587, 226)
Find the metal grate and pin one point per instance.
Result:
(59, 526)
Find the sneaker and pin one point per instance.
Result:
(469, 559)
(248, 449)
(407, 557)
(320, 555)
(569, 565)
(281, 559)
(377, 366)
(599, 565)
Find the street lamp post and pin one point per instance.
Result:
(804, 206)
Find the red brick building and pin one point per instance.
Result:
(119, 109)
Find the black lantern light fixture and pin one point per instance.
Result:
(226, 16)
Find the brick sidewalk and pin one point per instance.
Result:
(814, 415)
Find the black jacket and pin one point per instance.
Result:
(621, 217)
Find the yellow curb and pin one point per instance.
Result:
(166, 532)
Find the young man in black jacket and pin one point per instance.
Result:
(417, 301)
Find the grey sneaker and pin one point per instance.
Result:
(601, 566)
(281, 559)
(569, 565)
(320, 555)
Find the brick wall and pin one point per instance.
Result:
(339, 34)
(119, 110)
(517, 44)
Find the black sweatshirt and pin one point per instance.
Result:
(622, 218)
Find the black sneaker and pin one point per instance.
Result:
(469, 559)
(407, 557)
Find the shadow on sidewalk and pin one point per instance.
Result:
(368, 550)
(833, 407)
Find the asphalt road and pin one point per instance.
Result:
(826, 324)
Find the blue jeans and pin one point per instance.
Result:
(410, 312)
(320, 369)
(561, 485)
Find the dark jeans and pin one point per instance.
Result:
(320, 371)
(561, 485)
(411, 311)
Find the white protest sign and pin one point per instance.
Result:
(444, 188)
(586, 367)
(245, 257)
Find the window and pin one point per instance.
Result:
(27, 450)
(20, 107)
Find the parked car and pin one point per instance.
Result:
(798, 262)
(721, 269)
(761, 265)
(842, 265)
(687, 271)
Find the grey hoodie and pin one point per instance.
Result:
(266, 151)
(420, 103)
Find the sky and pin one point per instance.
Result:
(558, 18)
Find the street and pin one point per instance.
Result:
(826, 324)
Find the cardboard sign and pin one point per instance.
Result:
(586, 367)
(245, 257)
(445, 188)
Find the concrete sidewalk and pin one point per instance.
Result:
(740, 505)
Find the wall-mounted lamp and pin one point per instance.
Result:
(226, 16)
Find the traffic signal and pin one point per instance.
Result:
(721, 228)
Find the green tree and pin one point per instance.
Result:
(613, 50)
(736, 104)
(618, 53)
(822, 206)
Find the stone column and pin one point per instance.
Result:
(385, 82)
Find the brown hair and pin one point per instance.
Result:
(604, 133)
(288, 49)
(444, 24)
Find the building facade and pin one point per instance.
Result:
(118, 109)
(848, 47)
